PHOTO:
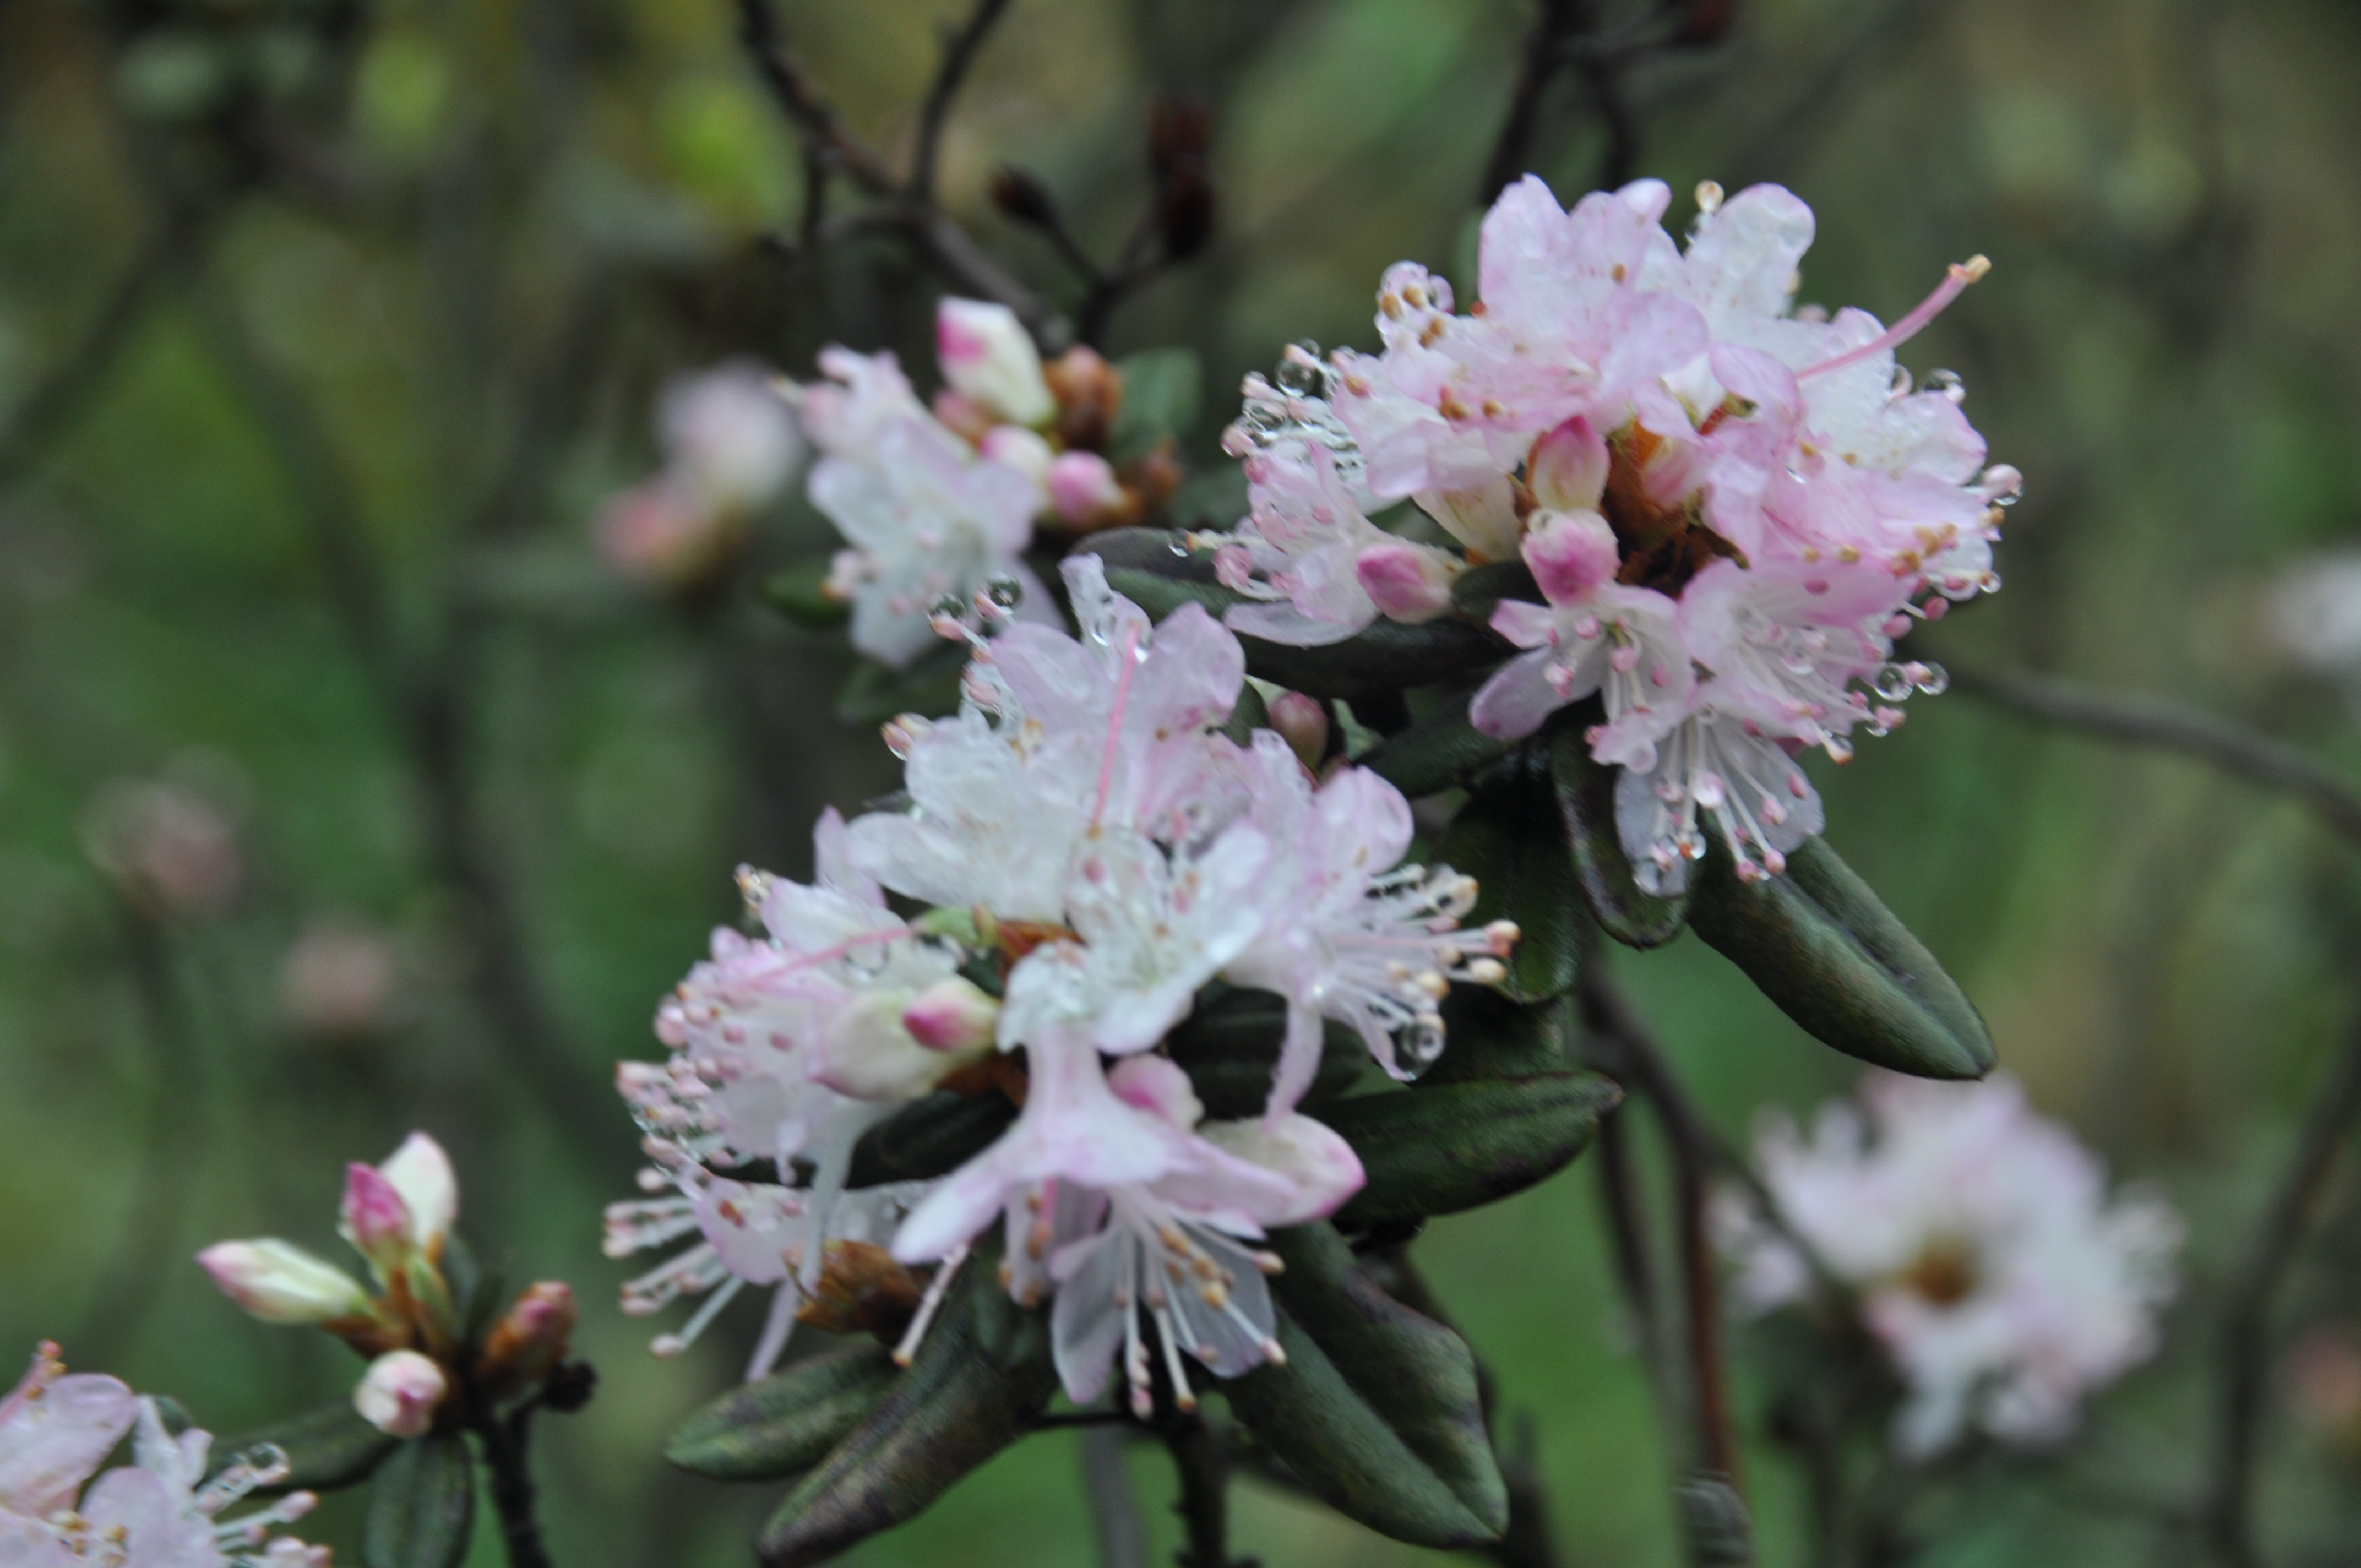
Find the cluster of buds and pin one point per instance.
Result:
(424, 1363)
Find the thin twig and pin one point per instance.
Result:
(1543, 56)
(1201, 1453)
(959, 48)
(505, 1442)
(2245, 1319)
(2157, 721)
(1114, 1508)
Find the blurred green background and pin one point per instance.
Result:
(398, 282)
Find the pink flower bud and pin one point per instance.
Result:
(531, 1338)
(658, 532)
(1081, 486)
(422, 1173)
(1408, 582)
(398, 1392)
(1483, 519)
(1021, 449)
(1568, 472)
(1303, 723)
(1322, 1166)
(987, 356)
(170, 849)
(953, 1015)
(374, 1219)
(281, 1283)
(866, 1052)
(1158, 1085)
(336, 982)
(1571, 553)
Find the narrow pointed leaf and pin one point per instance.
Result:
(1478, 591)
(929, 1137)
(1377, 1408)
(1440, 1148)
(1382, 658)
(325, 1448)
(1509, 839)
(1485, 1035)
(1229, 1045)
(929, 687)
(948, 1413)
(798, 592)
(1437, 752)
(1250, 715)
(1817, 942)
(1585, 803)
(1161, 397)
(422, 1505)
(788, 1422)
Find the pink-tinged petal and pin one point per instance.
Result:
(1407, 582)
(1319, 1167)
(832, 862)
(1527, 624)
(988, 356)
(1571, 553)
(374, 1219)
(1083, 486)
(399, 1393)
(55, 1430)
(1283, 623)
(280, 1283)
(1513, 703)
(1159, 1086)
(1744, 255)
(1568, 471)
(1363, 821)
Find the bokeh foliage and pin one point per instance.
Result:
(467, 243)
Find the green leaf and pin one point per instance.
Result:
(1013, 1337)
(1509, 839)
(951, 1411)
(1487, 1036)
(422, 1505)
(1440, 750)
(1440, 1148)
(797, 592)
(1229, 1044)
(1382, 659)
(1585, 803)
(1250, 715)
(929, 1137)
(788, 1422)
(1160, 395)
(1817, 941)
(1478, 591)
(1376, 1408)
(325, 1448)
(874, 693)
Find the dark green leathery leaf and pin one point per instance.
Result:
(1485, 1035)
(929, 1137)
(951, 1411)
(928, 686)
(422, 1505)
(1248, 715)
(1816, 940)
(1376, 1408)
(1509, 839)
(799, 593)
(1382, 658)
(1437, 752)
(1161, 397)
(1229, 1045)
(1440, 1148)
(1585, 803)
(788, 1422)
(325, 1448)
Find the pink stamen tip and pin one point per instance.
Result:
(1114, 721)
(1955, 281)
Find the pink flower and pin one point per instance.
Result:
(2002, 1280)
(1082, 486)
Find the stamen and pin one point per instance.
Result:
(669, 1345)
(1955, 281)
(937, 1288)
(1129, 656)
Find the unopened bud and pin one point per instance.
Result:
(531, 1337)
(1319, 1161)
(953, 1015)
(988, 356)
(399, 1393)
(1408, 583)
(1021, 449)
(731, 436)
(374, 1219)
(1302, 722)
(1158, 1085)
(1571, 553)
(280, 1283)
(422, 1173)
(1083, 486)
(1090, 394)
(1022, 197)
(1568, 471)
(868, 1053)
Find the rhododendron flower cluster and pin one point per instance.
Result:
(1091, 850)
(1730, 507)
(939, 501)
(159, 1512)
(2002, 1280)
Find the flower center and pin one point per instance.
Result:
(1943, 1274)
(1663, 546)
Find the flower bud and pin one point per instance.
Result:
(1484, 518)
(398, 1392)
(1568, 471)
(1571, 553)
(422, 1173)
(868, 1053)
(531, 1337)
(1409, 583)
(1082, 486)
(1302, 722)
(374, 1218)
(988, 356)
(1319, 1161)
(953, 1015)
(280, 1283)
(1158, 1085)
(658, 533)
(1021, 449)
(1089, 392)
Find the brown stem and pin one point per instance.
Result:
(959, 48)
(1544, 55)
(505, 1442)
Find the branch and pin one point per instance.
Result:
(1200, 1452)
(800, 99)
(1115, 1511)
(2157, 721)
(1544, 55)
(2245, 1319)
(505, 1442)
(960, 49)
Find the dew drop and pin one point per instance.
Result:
(1004, 590)
(1934, 680)
(1891, 682)
(1947, 383)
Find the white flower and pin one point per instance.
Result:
(2001, 1280)
(989, 358)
